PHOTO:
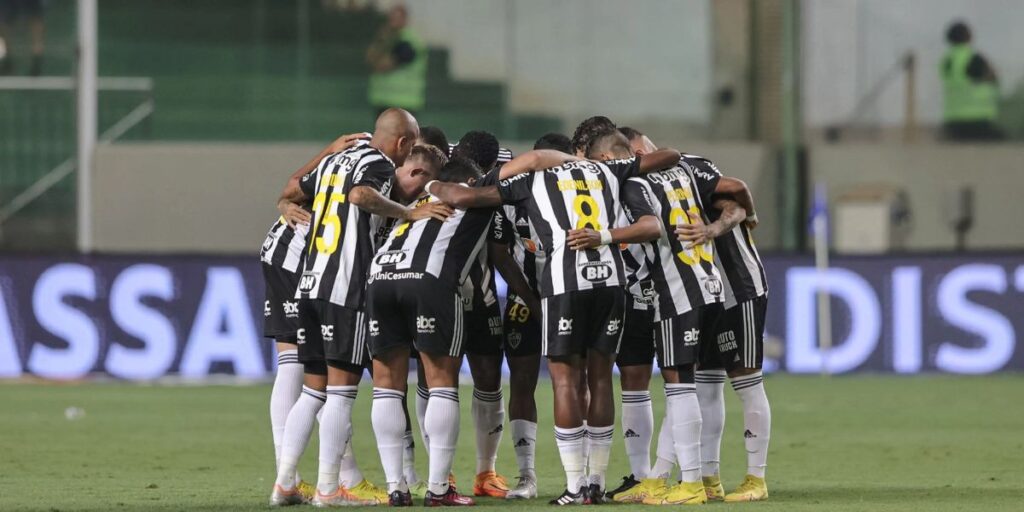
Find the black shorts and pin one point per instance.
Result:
(638, 340)
(331, 333)
(483, 329)
(739, 337)
(522, 328)
(678, 340)
(280, 307)
(421, 313)
(578, 321)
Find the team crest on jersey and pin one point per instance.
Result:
(713, 285)
(307, 282)
(514, 339)
(390, 258)
(268, 242)
(596, 272)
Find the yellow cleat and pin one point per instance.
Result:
(418, 490)
(637, 493)
(306, 490)
(368, 492)
(713, 488)
(683, 493)
(752, 489)
(490, 484)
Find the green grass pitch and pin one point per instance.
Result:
(931, 443)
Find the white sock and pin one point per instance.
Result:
(422, 396)
(335, 431)
(488, 412)
(524, 439)
(442, 424)
(685, 428)
(570, 448)
(637, 427)
(384, 414)
(600, 449)
(409, 457)
(350, 475)
(665, 459)
(757, 421)
(287, 387)
(586, 447)
(296, 434)
(711, 395)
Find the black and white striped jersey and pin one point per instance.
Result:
(735, 254)
(638, 278)
(683, 278)
(446, 249)
(284, 246)
(512, 228)
(340, 245)
(478, 290)
(576, 195)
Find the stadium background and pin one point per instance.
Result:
(146, 271)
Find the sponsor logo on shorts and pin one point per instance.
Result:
(596, 272)
(565, 326)
(613, 327)
(726, 341)
(394, 276)
(291, 309)
(327, 333)
(691, 337)
(390, 258)
(374, 327)
(426, 325)
(266, 308)
(307, 282)
(514, 339)
(713, 285)
(300, 336)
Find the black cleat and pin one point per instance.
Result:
(628, 482)
(568, 498)
(400, 499)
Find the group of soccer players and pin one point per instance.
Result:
(616, 253)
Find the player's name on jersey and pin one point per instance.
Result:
(575, 185)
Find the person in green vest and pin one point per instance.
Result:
(398, 60)
(970, 89)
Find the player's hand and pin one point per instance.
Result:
(696, 232)
(347, 141)
(293, 214)
(430, 210)
(751, 222)
(581, 239)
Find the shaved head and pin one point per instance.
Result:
(612, 145)
(395, 134)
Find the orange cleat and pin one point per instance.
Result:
(490, 484)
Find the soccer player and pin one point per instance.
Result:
(436, 137)
(739, 348)
(345, 189)
(582, 291)
(413, 301)
(281, 256)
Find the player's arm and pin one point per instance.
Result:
(499, 256)
(645, 229)
(536, 160)
(293, 194)
(738, 191)
(658, 160)
(372, 201)
(697, 232)
(458, 196)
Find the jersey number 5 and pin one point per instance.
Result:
(327, 221)
(692, 256)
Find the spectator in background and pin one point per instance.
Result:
(970, 89)
(10, 11)
(398, 60)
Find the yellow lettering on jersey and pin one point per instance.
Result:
(678, 194)
(573, 185)
(403, 227)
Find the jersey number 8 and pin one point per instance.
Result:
(591, 216)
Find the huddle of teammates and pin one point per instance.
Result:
(615, 253)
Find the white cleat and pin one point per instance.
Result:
(282, 497)
(526, 489)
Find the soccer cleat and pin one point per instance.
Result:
(644, 488)
(526, 489)
(281, 497)
(368, 492)
(306, 489)
(752, 489)
(713, 488)
(399, 499)
(628, 482)
(683, 493)
(341, 498)
(418, 490)
(490, 484)
(568, 498)
(593, 495)
(451, 498)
